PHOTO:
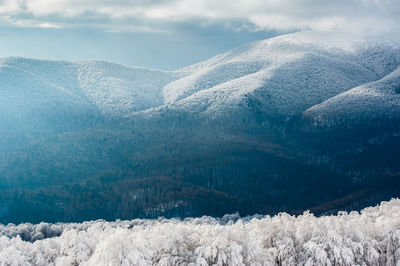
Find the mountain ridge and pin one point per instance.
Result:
(261, 56)
(252, 130)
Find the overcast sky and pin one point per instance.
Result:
(169, 34)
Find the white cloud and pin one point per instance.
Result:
(375, 15)
(49, 25)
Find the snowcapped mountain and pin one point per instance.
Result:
(29, 85)
(281, 76)
(375, 101)
(45, 97)
(253, 129)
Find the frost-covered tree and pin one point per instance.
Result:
(371, 237)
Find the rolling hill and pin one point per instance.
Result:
(304, 120)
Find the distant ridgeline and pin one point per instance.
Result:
(285, 124)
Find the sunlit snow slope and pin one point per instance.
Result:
(374, 102)
(280, 76)
(283, 75)
(30, 87)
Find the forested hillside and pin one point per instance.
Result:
(290, 123)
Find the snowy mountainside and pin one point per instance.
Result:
(371, 237)
(41, 97)
(120, 90)
(281, 76)
(233, 128)
(31, 85)
(375, 101)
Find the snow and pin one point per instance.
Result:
(378, 100)
(121, 90)
(111, 89)
(285, 75)
(371, 237)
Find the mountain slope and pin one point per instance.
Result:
(111, 89)
(39, 98)
(282, 76)
(256, 129)
(371, 102)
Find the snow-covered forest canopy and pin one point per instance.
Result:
(371, 237)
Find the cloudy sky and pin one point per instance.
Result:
(169, 34)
